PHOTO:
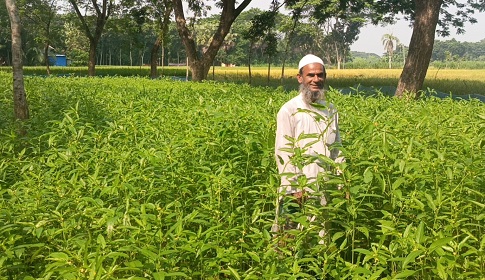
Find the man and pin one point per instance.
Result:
(307, 129)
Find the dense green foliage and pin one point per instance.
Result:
(453, 50)
(146, 179)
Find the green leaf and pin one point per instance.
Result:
(100, 240)
(407, 230)
(398, 183)
(438, 243)
(430, 202)
(58, 256)
(234, 273)
(159, 275)
(364, 230)
(364, 251)
(420, 233)
(404, 274)
(254, 256)
(134, 264)
(337, 235)
(410, 258)
(368, 175)
(177, 274)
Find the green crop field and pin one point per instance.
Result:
(132, 178)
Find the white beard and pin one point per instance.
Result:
(311, 96)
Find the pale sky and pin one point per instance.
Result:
(370, 36)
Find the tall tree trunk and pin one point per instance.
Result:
(200, 68)
(420, 47)
(21, 108)
(249, 62)
(92, 59)
(337, 55)
(154, 58)
(269, 70)
(162, 38)
(200, 63)
(46, 58)
(162, 62)
(287, 47)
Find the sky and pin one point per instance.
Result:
(370, 36)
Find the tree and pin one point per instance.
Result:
(401, 48)
(290, 30)
(426, 20)
(101, 14)
(175, 51)
(339, 20)
(162, 10)
(343, 33)
(389, 41)
(306, 39)
(420, 47)
(41, 15)
(149, 21)
(76, 47)
(21, 108)
(445, 50)
(200, 62)
(234, 50)
(425, 16)
(5, 35)
(261, 30)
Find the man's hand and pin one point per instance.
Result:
(299, 197)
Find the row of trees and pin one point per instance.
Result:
(131, 34)
(450, 53)
(453, 50)
(137, 31)
(51, 22)
(124, 42)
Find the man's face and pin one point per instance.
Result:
(312, 77)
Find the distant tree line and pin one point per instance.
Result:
(446, 54)
(127, 41)
(453, 50)
(129, 34)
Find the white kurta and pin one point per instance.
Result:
(320, 128)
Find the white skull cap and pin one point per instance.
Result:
(309, 59)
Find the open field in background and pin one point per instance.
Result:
(132, 178)
(457, 82)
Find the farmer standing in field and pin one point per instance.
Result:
(306, 138)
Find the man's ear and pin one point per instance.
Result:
(299, 78)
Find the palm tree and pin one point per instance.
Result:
(389, 41)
